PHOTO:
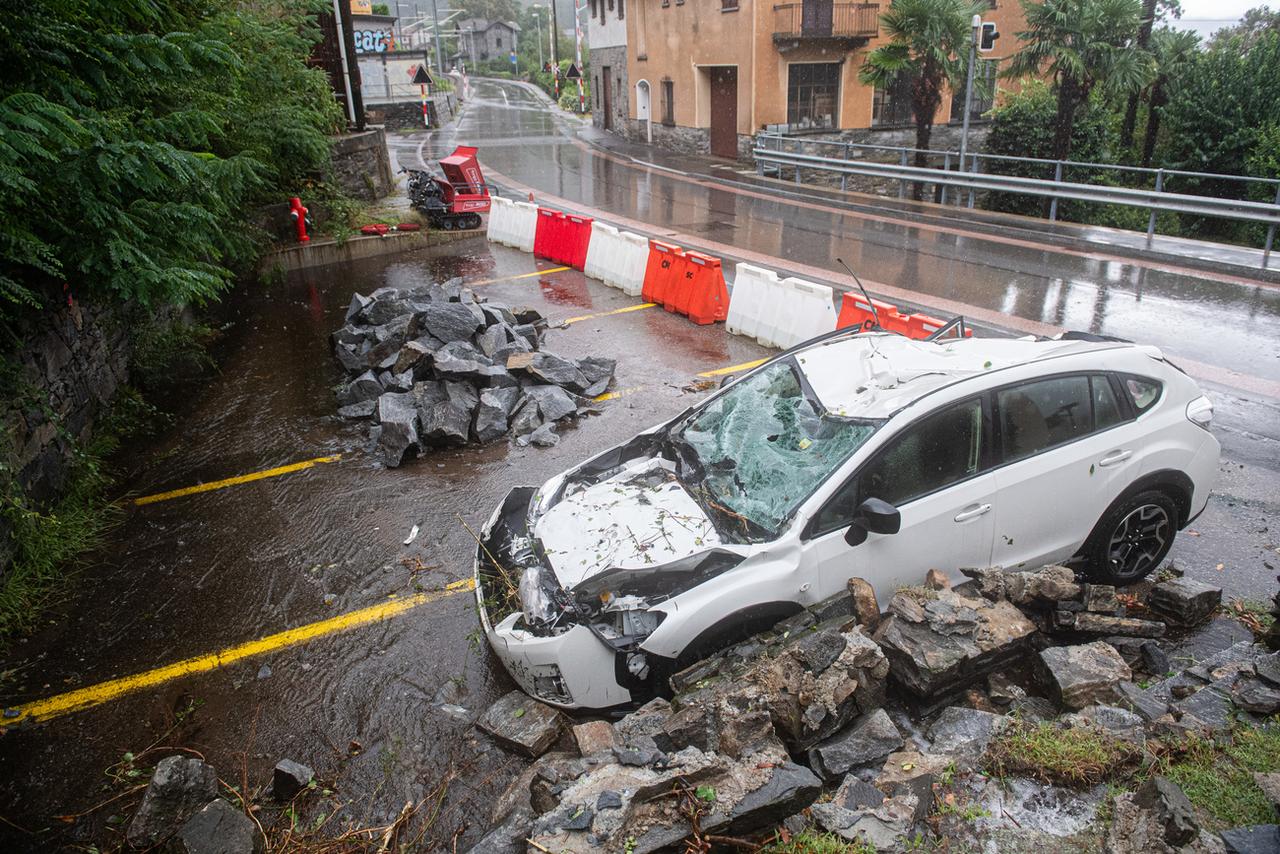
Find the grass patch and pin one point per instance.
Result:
(1219, 780)
(1254, 614)
(815, 842)
(1079, 756)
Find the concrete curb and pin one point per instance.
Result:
(322, 253)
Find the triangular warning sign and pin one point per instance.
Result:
(421, 76)
(573, 73)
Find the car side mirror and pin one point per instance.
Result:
(726, 379)
(873, 516)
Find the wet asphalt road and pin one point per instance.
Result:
(202, 573)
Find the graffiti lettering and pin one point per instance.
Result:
(373, 41)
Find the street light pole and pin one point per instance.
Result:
(968, 89)
(537, 31)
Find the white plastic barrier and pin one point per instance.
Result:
(748, 302)
(602, 251)
(808, 311)
(524, 224)
(628, 264)
(500, 211)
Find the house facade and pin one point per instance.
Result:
(705, 75)
(480, 40)
(610, 89)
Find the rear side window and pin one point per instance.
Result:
(1044, 414)
(1144, 392)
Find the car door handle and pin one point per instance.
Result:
(973, 511)
(1115, 457)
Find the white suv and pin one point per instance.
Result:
(865, 455)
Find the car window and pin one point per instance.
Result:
(1044, 414)
(765, 445)
(1143, 392)
(929, 455)
(1106, 409)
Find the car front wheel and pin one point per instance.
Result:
(1132, 538)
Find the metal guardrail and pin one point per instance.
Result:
(1155, 200)
(834, 20)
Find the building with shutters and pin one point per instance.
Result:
(705, 75)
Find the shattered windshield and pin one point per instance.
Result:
(765, 445)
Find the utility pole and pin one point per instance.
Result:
(435, 28)
(968, 89)
(555, 49)
(577, 52)
(537, 31)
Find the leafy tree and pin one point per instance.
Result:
(1022, 126)
(1218, 115)
(134, 137)
(1255, 23)
(928, 40)
(1081, 45)
(1175, 53)
(490, 10)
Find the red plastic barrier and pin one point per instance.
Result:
(854, 311)
(707, 296)
(661, 271)
(681, 287)
(543, 232)
(408, 226)
(922, 326)
(578, 238)
(375, 228)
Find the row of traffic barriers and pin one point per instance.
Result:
(513, 224)
(685, 282)
(617, 258)
(563, 238)
(857, 310)
(778, 312)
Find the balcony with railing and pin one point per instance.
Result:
(813, 21)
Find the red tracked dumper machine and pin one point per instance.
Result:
(454, 202)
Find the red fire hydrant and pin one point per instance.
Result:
(299, 214)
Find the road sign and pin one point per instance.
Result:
(513, 57)
(422, 77)
(573, 73)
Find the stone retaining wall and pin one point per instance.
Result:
(361, 165)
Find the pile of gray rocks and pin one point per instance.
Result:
(879, 728)
(433, 366)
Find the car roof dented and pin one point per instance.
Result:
(876, 375)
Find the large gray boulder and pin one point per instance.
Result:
(964, 732)
(180, 787)
(1184, 601)
(398, 415)
(869, 740)
(937, 641)
(219, 828)
(522, 724)
(448, 321)
(459, 360)
(491, 418)
(553, 402)
(362, 388)
(1085, 675)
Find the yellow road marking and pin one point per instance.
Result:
(513, 278)
(613, 395)
(235, 481)
(629, 308)
(732, 369)
(94, 695)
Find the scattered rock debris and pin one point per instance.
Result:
(433, 366)
(904, 724)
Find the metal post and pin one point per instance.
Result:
(435, 28)
(1057, 179)
(537, 36)
(968, 91)
(844, 176)
(902, 185)
(1271, 235)
(1151, 221)
(975, 172)
(946, 167)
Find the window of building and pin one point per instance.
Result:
(728, 5)
(891, 104)
(813, 94)
(984, 92)
(622, 8)
(498, 42)
(668, 102)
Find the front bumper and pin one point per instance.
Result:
(573, 669)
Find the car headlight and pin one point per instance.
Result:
(534, 601)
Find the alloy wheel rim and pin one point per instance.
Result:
(1139, 541)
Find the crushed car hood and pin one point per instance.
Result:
(639, 518)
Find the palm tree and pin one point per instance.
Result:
(1081, 45)
(1144, 42)
(1174, 51)
(928, 40)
